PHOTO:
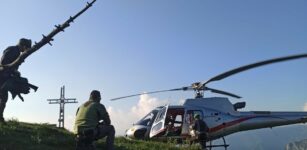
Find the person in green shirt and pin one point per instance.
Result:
(93, 122)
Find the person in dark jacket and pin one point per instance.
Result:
(201, 130)
(88, 126)
(10, 54)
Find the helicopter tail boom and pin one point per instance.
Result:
(258, 120)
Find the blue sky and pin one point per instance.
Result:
(125, 47)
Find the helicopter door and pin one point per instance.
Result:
(189, 121)
(158, 125)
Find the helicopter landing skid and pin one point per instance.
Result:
(221, 145)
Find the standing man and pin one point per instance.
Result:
(201, 130)
(10, 54)
(87, 124)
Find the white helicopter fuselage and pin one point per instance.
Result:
(221, 116)
(218, 113)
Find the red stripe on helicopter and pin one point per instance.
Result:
(228, 124)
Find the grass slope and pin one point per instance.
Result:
(25, 136)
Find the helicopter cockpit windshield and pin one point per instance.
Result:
(148, 119)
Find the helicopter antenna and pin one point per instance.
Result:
(200, 87)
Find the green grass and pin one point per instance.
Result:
(25, 136)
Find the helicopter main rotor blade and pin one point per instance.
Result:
(178, 89)
(222, 92)
(254, 65)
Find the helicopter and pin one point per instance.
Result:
(221, 116)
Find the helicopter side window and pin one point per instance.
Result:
(174, 116)
(160, 115)
(190, 115)
(178, 121)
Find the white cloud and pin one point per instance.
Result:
(146, 104)
(69, 122)
(123, 120)
(305, 107)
